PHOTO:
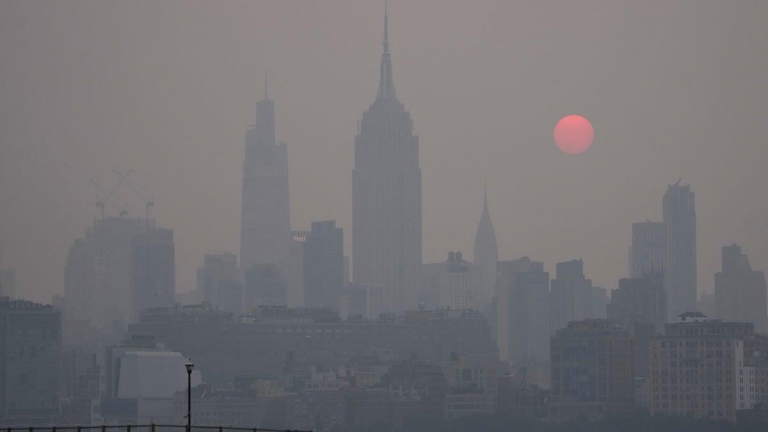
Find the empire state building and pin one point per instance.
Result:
(386, 196)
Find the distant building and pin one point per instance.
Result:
(640, 307)
(680, 256)
(426, 378)
(366, 301)
(295, 276)
(572, 296)
(324, 265)
(472, 386)
(97, 282)
(8, 283)
(707, 368)
(141, 379)
(740, 292)
(648, 248)
(223, 346)
(591, 370)
(640, 300)
(219, 282)
(153, 271)
(456, 284)
(235, 408)
(522, 301)
(30, 362)
(706, 304)
(429, 285)
(485, 259)
(519, 398)
(386, 197)
(265, 285)
(265, 222)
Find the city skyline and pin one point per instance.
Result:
(589, 186)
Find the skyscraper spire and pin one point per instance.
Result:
(486, 256)
(385, 40)
(386, 82)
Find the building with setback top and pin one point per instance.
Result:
(265, 218)
(386, 196)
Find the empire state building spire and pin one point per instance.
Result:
(386, 82)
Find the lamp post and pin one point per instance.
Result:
(189, 365)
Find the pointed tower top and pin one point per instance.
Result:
(386, 82)
(386, 29)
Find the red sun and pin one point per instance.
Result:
(574, 134)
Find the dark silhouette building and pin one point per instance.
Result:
(680, 257)
(591, 370)
(323, 265)
(30, 362)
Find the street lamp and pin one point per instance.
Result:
(189, 365)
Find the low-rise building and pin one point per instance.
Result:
(707, 368)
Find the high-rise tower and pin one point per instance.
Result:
(486, 257)
(386, 196)
(265, 224)
(680, 256)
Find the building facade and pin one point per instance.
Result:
(30, 362)
(218, 280)
(265, 217)
(386, 197)
(591, 370)
(648, 248)
(97, 281)
(680, 256)
(707, 368)
(323, 265)
(456, 284)
(572, 296)
(522, 301)
(740, 292)
(153, 271)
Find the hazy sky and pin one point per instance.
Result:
(675, 89)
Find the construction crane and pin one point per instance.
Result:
(148, 203)
(100, 203)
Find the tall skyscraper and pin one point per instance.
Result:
(648, 248)
(153, 271)
(386, 196)
(324, 265)
(680, 256)
(486, 256)
(522, 302)
(265, 224)
(740, 292)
